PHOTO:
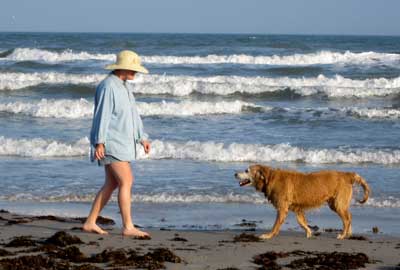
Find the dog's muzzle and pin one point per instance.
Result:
(243, 181)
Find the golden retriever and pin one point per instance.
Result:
(296, 191)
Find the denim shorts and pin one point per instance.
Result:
(108, 159)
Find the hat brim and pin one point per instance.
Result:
(136, 68)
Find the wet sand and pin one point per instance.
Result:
(58, 243)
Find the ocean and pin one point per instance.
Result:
(212, 104)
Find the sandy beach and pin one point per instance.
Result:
(32, 242)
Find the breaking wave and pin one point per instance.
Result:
(321, 57)
(15, 81)
(81, 108)
(327, 112)
(207, 151)
(41, 148)
(62, 108)
(375, 113)
(183, 198)
(336, 86)
(29, 54)
(73, 109)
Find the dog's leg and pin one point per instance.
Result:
(349, 230)
(341, 206)
(301, 219)
(346, 219)
(280, 218)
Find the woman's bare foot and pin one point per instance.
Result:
(93, 228)
(135, 233)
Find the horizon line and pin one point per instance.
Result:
(199, 33)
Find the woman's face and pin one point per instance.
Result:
(124, 74)
(130, 75)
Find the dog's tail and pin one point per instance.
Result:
(359, 180)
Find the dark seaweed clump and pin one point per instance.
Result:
(331, 261)
(71, 254)
(17, 221)
(268, 260)
(68, 258)
(358, 237)
(313, 260)
(21, 241)
(244, 237)
(63, 239)
(33, 262)
(151, 260)
(4, 252)
(178, 239)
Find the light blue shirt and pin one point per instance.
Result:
(116, 121)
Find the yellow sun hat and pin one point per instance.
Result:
(128, 60)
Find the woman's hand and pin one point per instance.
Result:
(99, 152)
(146, 146)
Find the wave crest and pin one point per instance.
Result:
(336, 86)
(29, 54)
(15, 81)
(317, 58)
(207, 151)
(77, 109)
(42, 148)
(182, 198)
(82, 108)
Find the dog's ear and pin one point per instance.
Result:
(262, 178)
(265, 173)
(260, 175)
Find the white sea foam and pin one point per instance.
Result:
(207, 151)
(357, 112)
(375, 113)
(188, 108)
(81, 108)
(15, 81)
(63, 108)
(66, 108)
(212, 151)
(29, 54)
(183, 198)
(336, 86)
(322, 57)
(389, 202)
(42, 148)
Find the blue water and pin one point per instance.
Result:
(212, 105)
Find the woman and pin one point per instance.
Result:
(116, 129)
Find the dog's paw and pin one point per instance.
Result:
(266, 236)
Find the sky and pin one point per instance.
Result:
(348, 17)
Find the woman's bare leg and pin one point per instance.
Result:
(122, 173)
(100, 201)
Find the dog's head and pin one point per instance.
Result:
(256, 176)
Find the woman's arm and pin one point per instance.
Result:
(101, 119)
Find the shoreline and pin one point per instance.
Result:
(184, 249)
(183, 216)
